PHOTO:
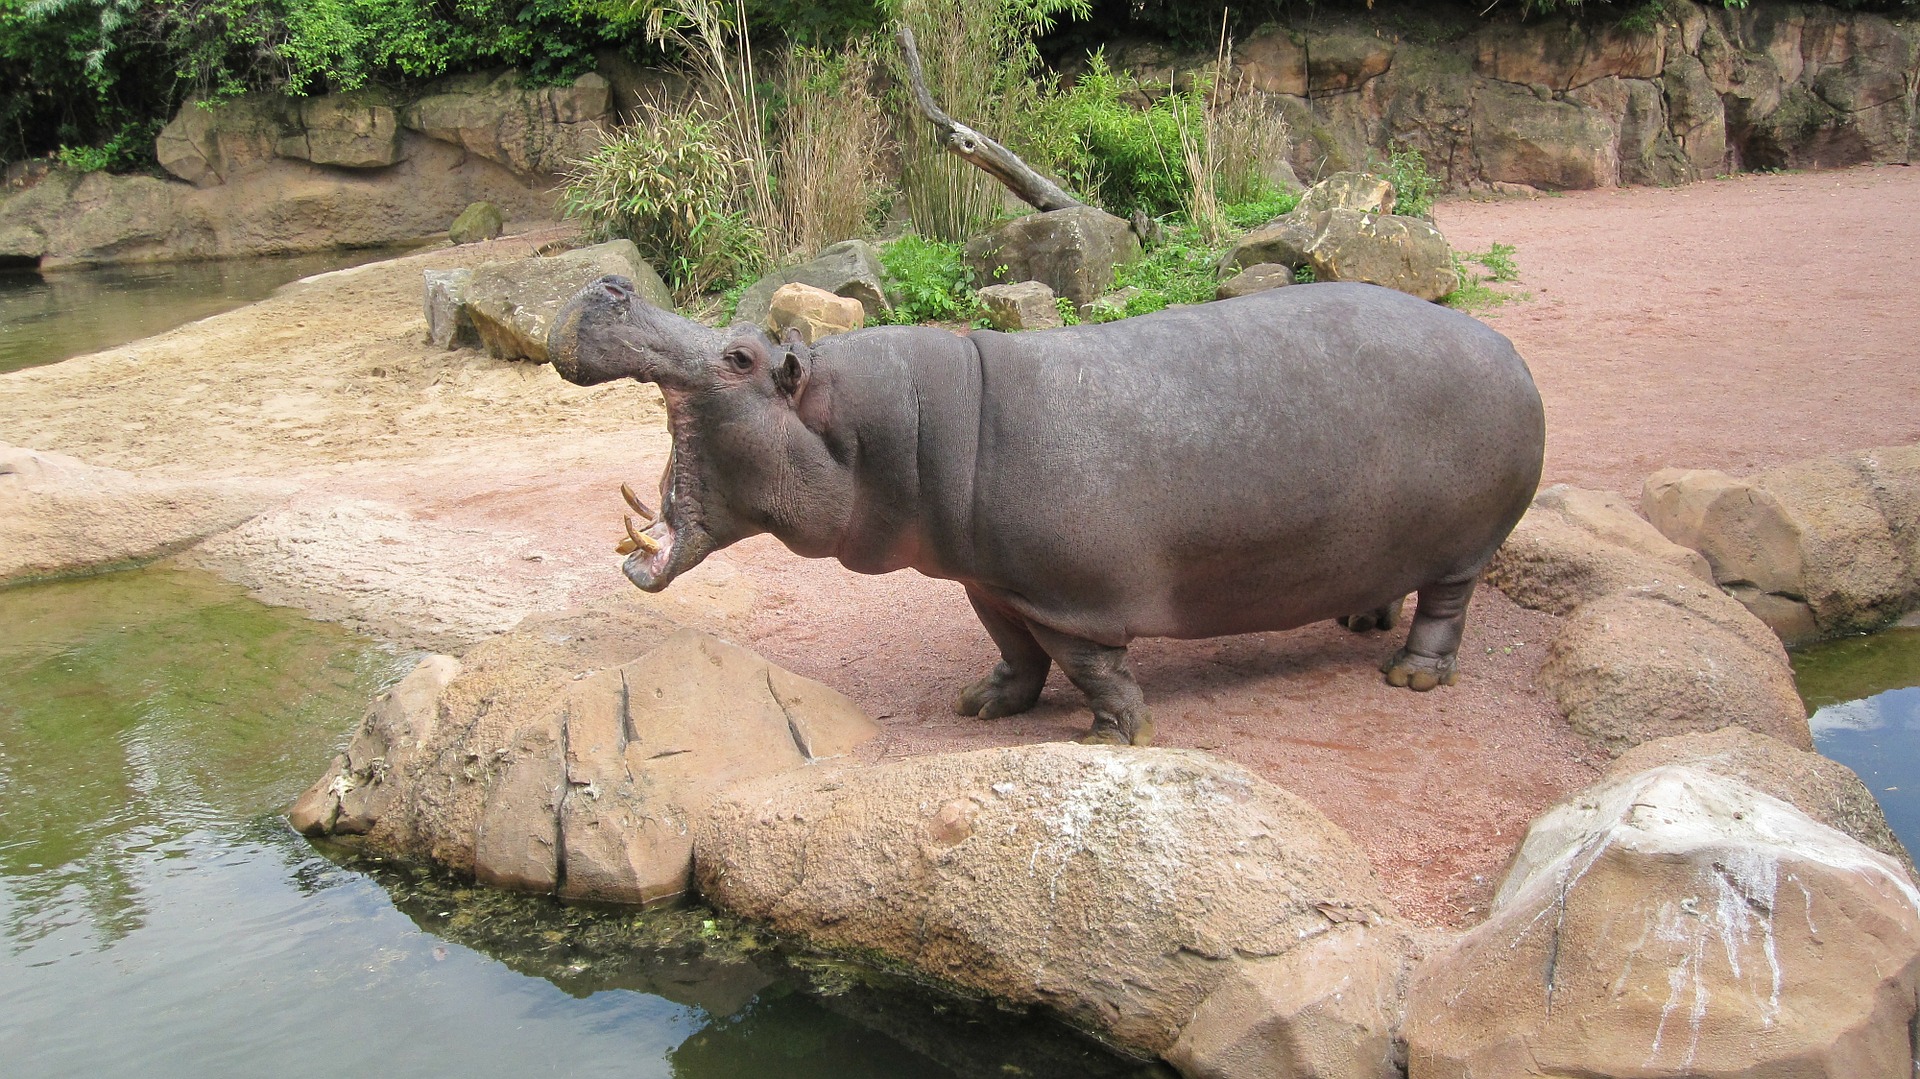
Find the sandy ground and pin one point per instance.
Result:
(1733, 324)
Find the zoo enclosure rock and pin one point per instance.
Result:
(480, 221)
(1818, 548)
(1171, 902)
(850, 268)
(588, 787)
(61, 517)
(1576, 545)
(1344, 229)
(812, 313)
(1073, 251)
(1674, 922)
(513, 304)
(1023, 305)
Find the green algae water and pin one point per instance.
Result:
(45, 318)
(158, 917)
(1863, 699)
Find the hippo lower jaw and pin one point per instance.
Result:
(674, 552)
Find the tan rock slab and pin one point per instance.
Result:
(813, 313)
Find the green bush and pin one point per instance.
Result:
(1125, 157)
(1413, 186)
(669, 184)
(927, 281)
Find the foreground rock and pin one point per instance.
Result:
(1023, 305)
(1816, 549)
(61, 517)
(1344, 229)
(1678, 923)
(589, 788)
(512, 304)
(850, 268)
(1073, 251)
(1170, 902)
(1575, 545)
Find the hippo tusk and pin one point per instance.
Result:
(633, 500)
(640, 540)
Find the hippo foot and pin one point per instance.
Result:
(1385, 616)
(1420, 673)
(1003, 692)
(1126, 729)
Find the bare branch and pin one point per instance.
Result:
(977, 149)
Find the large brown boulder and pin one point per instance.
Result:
(1823, 789)
(1403, 253)
(1073, 251)
(1676, 923)
(587, 787)
(513, 304)
(1672, 658)
(1524, 137)
(1818, 548)
(1171, 902)
(61, 517)
(209, 143)
(1575, 545)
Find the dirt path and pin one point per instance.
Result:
(1733, 324)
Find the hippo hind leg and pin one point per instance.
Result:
(1385, 616)
(1014, 684)
(1430, 657)
(1120, 715)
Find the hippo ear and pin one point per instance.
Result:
(796, 364)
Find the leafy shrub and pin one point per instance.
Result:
(927, 281)
(1258, 211)
(671, 185)
(1413, 186)
(1125, 157)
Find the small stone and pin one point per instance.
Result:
(1026, 305)
(814, 312)
(448, 324)
(1256, 278)
(479, 221)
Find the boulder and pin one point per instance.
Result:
(1575, 545)
(1818, 548)
(355, 131)
(1280, 242)
(1072, 251)
(1346, 191)
(587, 786)
(448, 324)
(812, 313)
(1025, 305)
(513, 304)
(850, 268)
(1112, 306)
(61, 517)
(1256, 278)
(1823, 789)
(1169, 901)
(206, 143)
(533, 130)
(1672, 658)
(479, 221)
(1674, 922)
(1403, 253)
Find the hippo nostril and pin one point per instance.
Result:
(615, 290)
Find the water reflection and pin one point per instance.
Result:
(1864, 696)
(47, 318)
(158, 914)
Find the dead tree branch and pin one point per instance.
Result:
(980, 151)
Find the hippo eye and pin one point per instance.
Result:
(740, 360)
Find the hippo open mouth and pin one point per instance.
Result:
(662, 547)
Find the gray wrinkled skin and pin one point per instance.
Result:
(1258, 463)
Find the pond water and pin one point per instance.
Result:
(45, 318)
(158, 916)
(1863, 694)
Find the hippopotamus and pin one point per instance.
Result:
(1306, 453)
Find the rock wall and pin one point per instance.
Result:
(267, 174)
(1557, 104)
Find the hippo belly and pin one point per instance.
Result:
(1254, 464)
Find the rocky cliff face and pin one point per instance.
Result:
(1559, 105)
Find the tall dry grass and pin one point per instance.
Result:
(833, 138)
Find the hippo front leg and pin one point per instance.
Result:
(1014, 684)
(1433, 643)
(1120, 715)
